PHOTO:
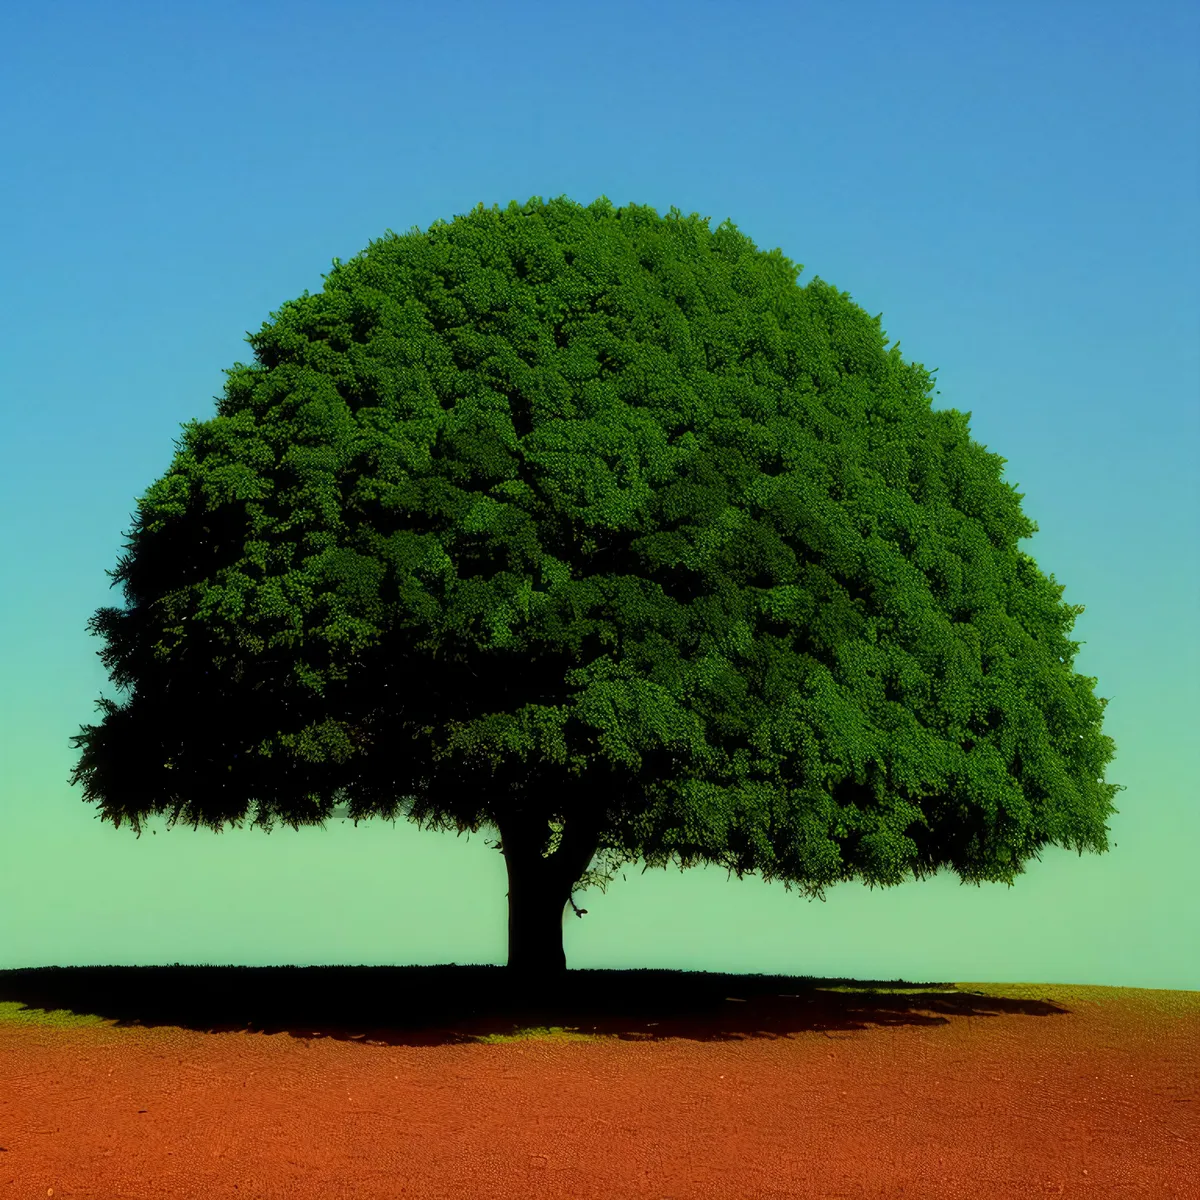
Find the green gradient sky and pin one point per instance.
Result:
(1014, 187)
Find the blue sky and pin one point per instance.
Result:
(1013, 186)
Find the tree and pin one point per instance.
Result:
(594, 528)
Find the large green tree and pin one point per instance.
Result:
(594, 528)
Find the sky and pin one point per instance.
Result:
(1015, 187)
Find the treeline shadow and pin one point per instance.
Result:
(432, 1005)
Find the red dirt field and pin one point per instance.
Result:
(982, 1091)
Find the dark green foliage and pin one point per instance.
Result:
(597, 518)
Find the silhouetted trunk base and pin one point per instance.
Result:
(538, 890)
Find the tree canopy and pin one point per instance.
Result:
(595, 527)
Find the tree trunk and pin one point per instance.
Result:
(538, 891)
(536, 906)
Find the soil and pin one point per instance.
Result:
(215, 1084)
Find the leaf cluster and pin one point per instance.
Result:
(599, 516)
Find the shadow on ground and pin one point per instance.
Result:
(434, 1005)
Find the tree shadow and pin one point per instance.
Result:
(440, 1005)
